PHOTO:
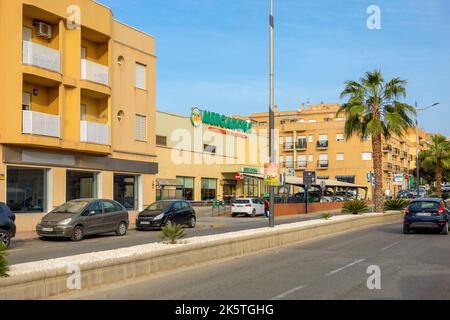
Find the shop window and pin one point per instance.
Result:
(209, 189)
(26, 189)
(126, 190)
(187, 189)
(81, 185)
(251, 187)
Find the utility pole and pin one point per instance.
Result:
(271, 118)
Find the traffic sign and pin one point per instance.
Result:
(309, 178)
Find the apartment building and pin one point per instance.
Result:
(312, 138)
(77, 107)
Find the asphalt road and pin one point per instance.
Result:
(36, 249)
(415, 266)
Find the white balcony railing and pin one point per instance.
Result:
(94, 132)
(40, 124)
(41, 56)
(94, 72)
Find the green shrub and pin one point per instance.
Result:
(327, 216)
(172, 233)
(354, 206)
(3, 263)
(396, 204)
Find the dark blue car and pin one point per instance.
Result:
(7, 225)
(426, 213)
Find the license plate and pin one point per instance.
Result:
(423, 214)
(240, 206)
(145, 222)
(47, 229)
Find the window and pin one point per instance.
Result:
(340, 157)
(209, 189)
(209, 148)
(26, 189)
(81, 185)
(323, 137)
(340, 137)
(161, 140)
(367, 156)
(95, 209)
(251, 187)
(141, 128)
(26, 101)
(348, 179)
(187, 188)
(140, 76)
(109, 207)
(126, 190)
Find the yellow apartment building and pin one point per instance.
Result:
(77, 107)
(206, 155)
(312, 138)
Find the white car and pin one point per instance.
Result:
(247, 206)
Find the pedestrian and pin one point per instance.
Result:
(266, 208)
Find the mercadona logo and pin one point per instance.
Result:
(196, 117)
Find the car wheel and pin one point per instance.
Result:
(77, 234)
(169, 222)
(405, 229)
(233, 215)
(5, 238)
(254, 213)
(121, 229)
(445, 229)
(192, 222)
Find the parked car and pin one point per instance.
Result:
(7, 225)
(79, 218)
(426, 213)
(247, 206)
(166, 212)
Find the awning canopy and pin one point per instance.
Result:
(298, 181)
(169, 183)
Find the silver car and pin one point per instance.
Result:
(79, 218)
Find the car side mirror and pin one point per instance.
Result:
(92, 213)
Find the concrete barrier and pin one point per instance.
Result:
(45, 279)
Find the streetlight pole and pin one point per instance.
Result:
(271, 119)
(417, 144)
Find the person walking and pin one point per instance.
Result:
(266, 208)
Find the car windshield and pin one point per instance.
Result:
(424, 205)
(241, 201)
(159, 205)
(72, 207)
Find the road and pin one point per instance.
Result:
(34, 250)
(415, 266)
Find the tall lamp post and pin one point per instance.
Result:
(418, 142)
(271, 118)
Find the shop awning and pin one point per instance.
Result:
(169, 183)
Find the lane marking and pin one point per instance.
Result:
(283, 295)
(389, 246)
(345, 267)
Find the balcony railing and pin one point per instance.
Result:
(387, 148)
(93, 132)
(94, 72)
(322, 164)
(301, 145)
(42, 124)
(41, 56)
(322, 144)
(302, 164)
(288, 165)
(288, 146)
(388, 166)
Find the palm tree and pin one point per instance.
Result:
(373, 110)
(437, 156)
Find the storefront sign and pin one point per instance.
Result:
(250, 170)
(272, 174)
(214, 119)
(398, 180)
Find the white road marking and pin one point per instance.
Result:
(345, 267)
(389, 246)
(283, 295)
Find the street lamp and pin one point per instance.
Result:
(271, 118)
(417, 143)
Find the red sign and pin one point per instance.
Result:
(239, 176)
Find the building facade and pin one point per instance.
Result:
(77, 107)
(312, 138)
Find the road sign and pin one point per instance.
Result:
(309, 178)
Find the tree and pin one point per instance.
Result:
(437, 156)
(373, 110)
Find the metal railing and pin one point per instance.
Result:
(94, 72)
(322, 144)
(323, 164)
(39, 123)
(301, 145)
(41, 56)
(302, 164)
(93, 132)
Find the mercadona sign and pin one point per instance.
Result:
(215, 119)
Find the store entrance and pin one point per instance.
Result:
(229, 193)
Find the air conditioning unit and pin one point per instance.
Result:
(43, 30)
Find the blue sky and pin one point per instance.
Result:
(214, 53)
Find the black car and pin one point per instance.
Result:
(7, 225)
(166, 212)
(426, 213)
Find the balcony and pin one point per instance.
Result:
(94, 72)
(321, 145)
(42, 124)
(404, 155)
(301, 165)
(322, 164)
(301, 145)
(396, 151)
(387, 148)
(288, 146)
(41, 56)
(93, 132)
(388, 166)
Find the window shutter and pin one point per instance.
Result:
(140, 76)
(141, 128)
